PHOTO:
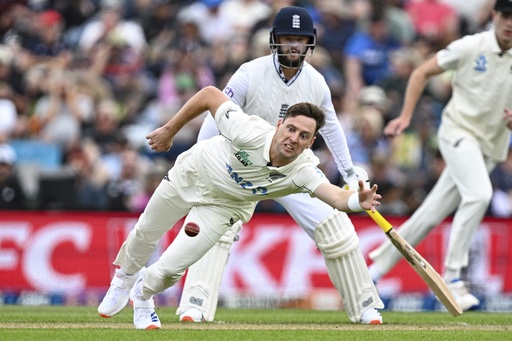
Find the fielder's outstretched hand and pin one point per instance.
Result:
(368, 198)
(160, 139)
(396, 126)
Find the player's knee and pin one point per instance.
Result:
(172, 274)
(481, 198)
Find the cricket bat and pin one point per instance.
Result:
(419, 264)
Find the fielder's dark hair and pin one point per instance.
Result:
(308, 110)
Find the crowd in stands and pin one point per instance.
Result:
(83, 81)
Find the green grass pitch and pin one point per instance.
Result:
(83, 323)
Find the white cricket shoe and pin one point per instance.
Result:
(144, 314)
(118, 294)
(371, 316)
(461, 294)
(192, 315)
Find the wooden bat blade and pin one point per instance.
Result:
(419, 264)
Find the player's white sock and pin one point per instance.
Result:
(451, 275)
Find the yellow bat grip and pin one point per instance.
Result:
(380, 220)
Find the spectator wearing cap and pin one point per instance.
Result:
(47, 41)
(12, 196)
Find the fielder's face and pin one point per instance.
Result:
(503, 28)
(292, 137)
(292, 50)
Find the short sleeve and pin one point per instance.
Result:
(309, 178)
(449, 57)
(230, 119)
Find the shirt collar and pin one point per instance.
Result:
(279, 71)
(495, 48)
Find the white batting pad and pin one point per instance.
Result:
(337, 240)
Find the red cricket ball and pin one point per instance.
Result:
(192, 229)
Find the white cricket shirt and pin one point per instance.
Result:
(235, 162)
(482, 88)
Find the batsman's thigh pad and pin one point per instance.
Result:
(201, 289)
(337, 240)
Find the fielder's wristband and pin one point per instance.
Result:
(353, 202)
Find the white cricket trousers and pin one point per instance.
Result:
(184, 194)
(464, 185)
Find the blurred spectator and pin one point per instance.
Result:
(15, 22)
(365, 139)
(163, 30)
(266, 22)
(158, 17)
(501, 178)
(245, 14)
(76, 12)
(402, 61)
(121, 190)
(185, 72)
(14, 64)
(434, 19)
(11, 192)
(323, 62)
(47, 40)
(336, 25)
(60, 112)
(400, 23)
(122, 66)
(151, 181)
(105, 129)
(215, 26)
(367, 57)
(91, 176)
(110, 24)
(473, 15)
(419, 186)
(8, 114)
(391, 184)
(414, 150)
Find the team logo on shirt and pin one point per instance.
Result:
(481, 64)
(274, 175)
(243, 157)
